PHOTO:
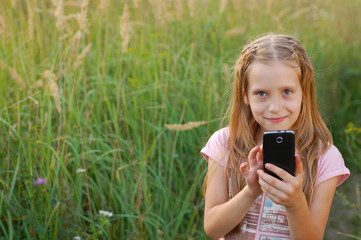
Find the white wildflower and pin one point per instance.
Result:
(106, 213)
(80, 170)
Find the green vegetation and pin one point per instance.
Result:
(87, 88)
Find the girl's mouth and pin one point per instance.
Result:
(276, 120)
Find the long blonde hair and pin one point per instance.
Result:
(312, 136)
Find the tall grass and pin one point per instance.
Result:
(87, 88)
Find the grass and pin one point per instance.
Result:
(115, 104)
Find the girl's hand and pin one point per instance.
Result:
(255, 162)
(286, 192)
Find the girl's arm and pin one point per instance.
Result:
(309, 222)
(222, 215)
(305, 222)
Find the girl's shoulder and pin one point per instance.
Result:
(221, 133)
(220, 138)
(331, 164)
(217, 146)
(331, 151)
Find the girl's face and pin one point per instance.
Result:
(274, 95)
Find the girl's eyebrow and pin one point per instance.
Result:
(259, 90)
(289, 87)
(282, 87)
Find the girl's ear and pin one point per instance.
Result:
(245, 99)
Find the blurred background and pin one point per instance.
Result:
(105, 105)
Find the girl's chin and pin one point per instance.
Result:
(276, 128)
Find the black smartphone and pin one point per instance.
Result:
(279, 149)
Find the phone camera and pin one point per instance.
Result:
(279, 139)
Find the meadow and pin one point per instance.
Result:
(105, 105)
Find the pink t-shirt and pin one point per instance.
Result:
(265, 219)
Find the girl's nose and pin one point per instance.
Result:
(275, 105)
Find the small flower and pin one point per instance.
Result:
(348, 130)
(40, 181)
(77, 238)
(80, 170)
(106, 213)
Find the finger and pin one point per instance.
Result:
(253, 152)
(299, 166)
(260, 156)
(274, 197)
(261, 150)
(252, 157)
(269, 187)
(255, 161)
(270, 180)
(279, 172)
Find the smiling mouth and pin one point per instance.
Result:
(276, 120)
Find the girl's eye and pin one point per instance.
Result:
(261, 94)
(287, 92)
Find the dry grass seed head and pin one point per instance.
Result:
(30, 21)
(53, 87)
(82, 19)
(186, 126)
(164, 14)
(179, 9)
(59, 14)
(300, 12)
(75, 42)
(38, 84)
(13, 74)
(223, 6)
(2, 25)
(124, 28)
(82, 55)
(192, 7)
(235, 32)
(103, 4)
(136, 3)
(13, 3)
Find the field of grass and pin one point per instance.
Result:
(87, 88)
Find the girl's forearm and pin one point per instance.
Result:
(222, 218)
(301, 224)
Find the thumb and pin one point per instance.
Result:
(243, 168)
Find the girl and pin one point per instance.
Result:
(274, 89)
